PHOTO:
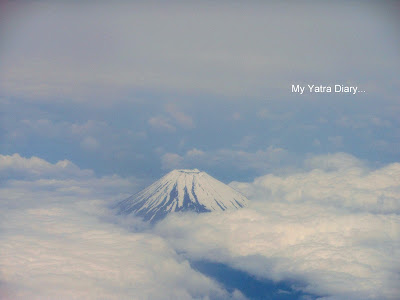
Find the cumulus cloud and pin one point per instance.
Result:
(334, 228)
(327, 252)
(44, 182)
(60, 241)
(338, 180)
(12, 166)
(53, 252)
(334, 162)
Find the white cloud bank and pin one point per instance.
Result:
(12, 166)
(57, 253)
(56, 244)
(337, 180)
(334, 228)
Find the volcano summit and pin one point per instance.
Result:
(180, 191)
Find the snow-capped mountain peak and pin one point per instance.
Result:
(182, 190)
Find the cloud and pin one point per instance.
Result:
(171, 161)
(161, 123)
(362, 121)
(167, 123)
(53, 252)
(325, 251)
(339, 180)
(59, 240)
(16, 166)
(57, 182)
(332, 228)
(68, 62)
(104, 139)
(268, 115)
(182, 119)
(246, 141)
(334, 162)
(86, 134)
(51, 128)
(90, 143)
(195, 153)
(89, 79)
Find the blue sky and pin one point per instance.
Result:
(99, 100)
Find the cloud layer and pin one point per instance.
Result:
(59, 240)
(334, 229)
(338, 180)
(57, 253)
(76, 55)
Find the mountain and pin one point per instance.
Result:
(180, 191)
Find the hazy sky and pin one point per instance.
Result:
(138, 89)
(98, 100)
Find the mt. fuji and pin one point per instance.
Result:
(180, 191)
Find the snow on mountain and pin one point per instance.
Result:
(182, 190)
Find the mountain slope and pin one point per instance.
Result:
(182, 190)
